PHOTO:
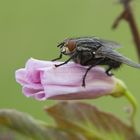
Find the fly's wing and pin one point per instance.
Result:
(94, 43)
(114, 55)
(109, 44)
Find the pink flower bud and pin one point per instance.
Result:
(42, 80)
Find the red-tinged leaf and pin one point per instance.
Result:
(6, 135)
(91, 122)
(34, 129)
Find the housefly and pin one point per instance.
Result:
(92, 51)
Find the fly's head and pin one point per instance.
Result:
(67, 47)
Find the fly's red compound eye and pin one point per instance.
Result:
(71, 45)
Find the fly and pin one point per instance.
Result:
(92, 51)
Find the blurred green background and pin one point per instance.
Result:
(31, 28)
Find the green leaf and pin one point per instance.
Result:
(91, 122)
(34, 129)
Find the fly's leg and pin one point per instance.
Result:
(84, 77)
(66, 61)
(63, 63)
(108, 71)
(88, 69)
(60, 56)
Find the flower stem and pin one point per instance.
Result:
(134, 104)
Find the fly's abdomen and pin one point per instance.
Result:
(112, 63)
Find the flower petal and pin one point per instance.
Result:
(38, 94)
(42, 80)
(65, 82)
(21, 76)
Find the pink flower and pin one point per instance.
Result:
(42, 80)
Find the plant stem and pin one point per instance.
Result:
(134, 104)
(128, 16)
